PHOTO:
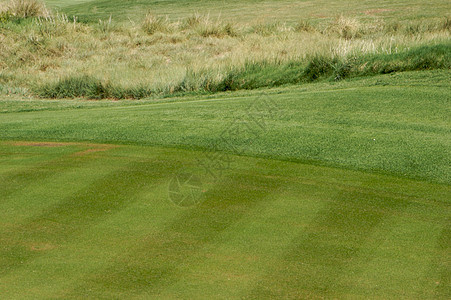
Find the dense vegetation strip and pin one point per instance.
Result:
(52, 55)
(255, 75)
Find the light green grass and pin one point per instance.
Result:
(383, 124)
(254, 11)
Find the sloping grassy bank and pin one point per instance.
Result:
(272, 74)
(254, 75)
(396, 124)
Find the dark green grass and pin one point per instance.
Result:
(267, 74)
(95, 221)
(83, 224)
(90, 88)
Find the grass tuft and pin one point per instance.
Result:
(192, 21)
(318, 66)
(347, 28)
(205, 27)
(91, 88)
(27, 9)
(266, 29)
(304, 26)
(153, 24)
(446, 24)
(73, 87)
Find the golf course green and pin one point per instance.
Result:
(212, 149)
(335, 198)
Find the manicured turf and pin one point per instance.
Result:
(78, 223)
(251, 10)
(313, 217)
(393, 124)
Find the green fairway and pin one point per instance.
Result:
(344, 193)
(248, 11)
(396, 124)
(225, 149)
(79, 223)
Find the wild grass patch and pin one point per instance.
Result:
(91, 88)
(153, 24)
(345, 27)
(304, 26)
(259, 74)
(200, 54)
(73, 87)
(24, 9)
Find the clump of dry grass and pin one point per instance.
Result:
(153, 24)
(304, 26)
(192, 21)
(446, 24)
(205, 27)
(26, 8)
(345, 27)
(216, 30)
(266, 29)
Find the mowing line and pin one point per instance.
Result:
(250, 97)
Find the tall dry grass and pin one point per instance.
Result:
(25, 8)
(163, 56)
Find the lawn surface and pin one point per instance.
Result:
(396, 124)
(340, 191)
(250, 11)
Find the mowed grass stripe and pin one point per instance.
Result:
(74, 213)
(25, 172)
(23, 240)
(244, 252)
(28, 199)
(27, 231)
(91, 251)
(315, 260)
(407, 243)
(342, 251)
(232, 270)
(175, 281)
(441, 266)
(13, 159)
(183, 251)
(161, 259)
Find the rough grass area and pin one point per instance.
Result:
(156, 54)
(262, 74)
(16, 9)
